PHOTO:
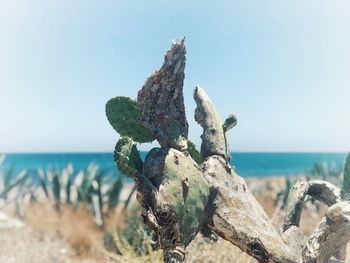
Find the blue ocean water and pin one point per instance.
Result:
(247, 164)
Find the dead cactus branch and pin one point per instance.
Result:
(183, 192)
(160, 101)
(332, 234)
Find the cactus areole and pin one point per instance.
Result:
(183, 191)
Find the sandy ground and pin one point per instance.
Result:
(22, 245)
(46, 237)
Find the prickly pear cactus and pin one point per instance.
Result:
(123, 116)
(127, 157)
(185, 175)
(181, 190)
(182, 193)
(171, 185)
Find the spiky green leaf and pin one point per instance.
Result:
(43, 181)
(122, 114)
(127, 157)
(114, 193)
(56, 187)
(18, 181)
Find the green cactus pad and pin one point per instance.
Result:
(187, 191)
(127, 157)
(230, 122)
(193, 152)
(122, 114)
(181, 190)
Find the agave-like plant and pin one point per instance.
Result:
(327, 172)
(98, 188)
(346, 178)
(16, 183)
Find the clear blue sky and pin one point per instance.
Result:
(281, 66)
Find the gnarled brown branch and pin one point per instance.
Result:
(180, 197)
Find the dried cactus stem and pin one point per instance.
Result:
(238, 217)
(176, 255)
(330, 236)
(213, 139)
(320, 190)
(160, 100)
(326, 239)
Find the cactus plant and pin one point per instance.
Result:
(181, 188)
(123, 116)
(127, 157)
(181, 196)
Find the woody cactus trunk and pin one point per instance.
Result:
(183, 192)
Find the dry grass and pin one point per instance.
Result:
(74, 226)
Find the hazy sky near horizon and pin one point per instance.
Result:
(281, 66)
